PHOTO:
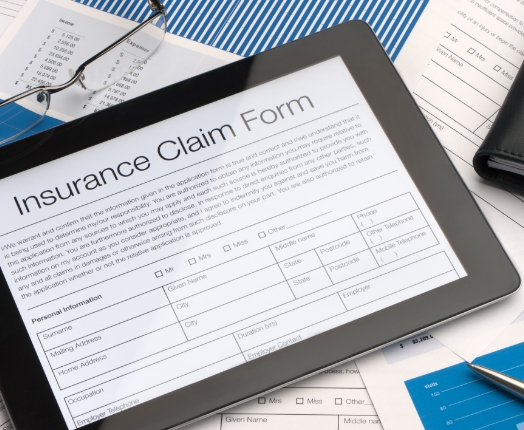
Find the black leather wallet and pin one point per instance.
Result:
(500, 158)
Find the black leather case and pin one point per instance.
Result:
(505, 139)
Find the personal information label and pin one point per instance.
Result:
(189, 247)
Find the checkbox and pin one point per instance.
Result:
(227, 248)
(192, 261)
(300, 401)
(261, 400)
(159, 274)
(261, 235)
(338, 401)
(471, 51)
(447, 35)
(497, 68)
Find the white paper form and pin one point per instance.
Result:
(424, 39)
(8, 11)
(49, 37)
(460, 94)
(333, 400)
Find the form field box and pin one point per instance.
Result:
(338, 401)
(261, 400)
(447, 34)
(417, 273)
(238, 310)
(405, 245)
(103, 318)
(311, 240)
(119, 356)
(471, 51)
(445, 68)
(159, 274)
(395, 227)
(300, 264)
(454, 108)
(385, 211)
(497, 68)
(220, 274)
(192, 261)
(110, 337)
(262, 235)
(310, 282)
(478, 95)
(227, 248)
(180, 369)
(341, 248)
(351, 266)
(289, 322)
(228, 292)
(300, 401)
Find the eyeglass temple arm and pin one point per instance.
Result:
(155, 6)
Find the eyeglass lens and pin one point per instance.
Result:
(16, 118)
(126, 57)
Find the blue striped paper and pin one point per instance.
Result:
(246, 27)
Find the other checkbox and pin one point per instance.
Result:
(471, 51)
(261, 400)
(497, 68)
(262, 235)
(192, 261)
(338, 401)
(227, 248)
(159, 274)
(300, 401)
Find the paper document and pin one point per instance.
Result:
(424, 39)
(8, 11)
(334, 400)
(460, 94)
(50, 37)
(423, 385)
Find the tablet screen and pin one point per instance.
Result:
(186, 248)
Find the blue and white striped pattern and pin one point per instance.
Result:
(246, 27)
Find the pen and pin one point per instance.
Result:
(512, 385)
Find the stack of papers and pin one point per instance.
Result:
(424, 383)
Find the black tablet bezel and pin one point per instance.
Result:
(491, 276)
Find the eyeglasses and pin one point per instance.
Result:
(99, 72)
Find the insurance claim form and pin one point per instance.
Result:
(251, 235)
(460, 94)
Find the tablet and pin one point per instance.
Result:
(196, 247)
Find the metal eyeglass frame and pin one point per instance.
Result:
(155, 6)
